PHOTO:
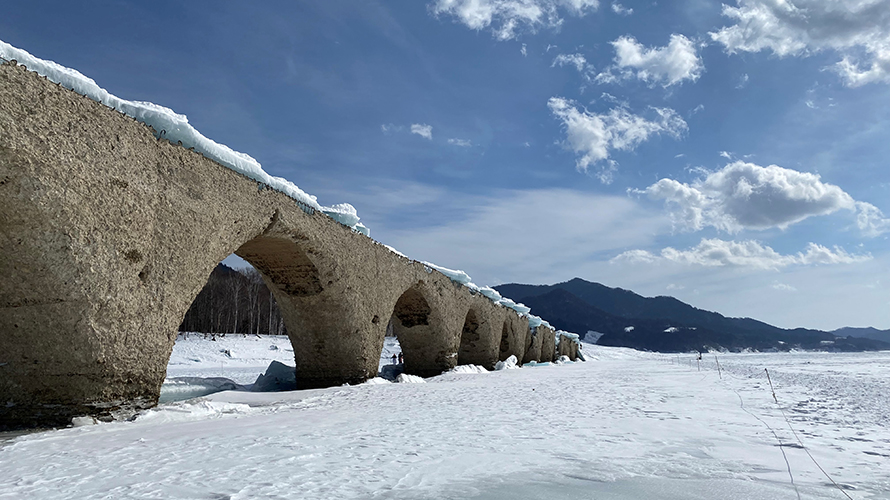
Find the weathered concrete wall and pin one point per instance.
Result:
(109, 234)
(533, 343)
(548, 343)
(481, 335)
(513, 336)
(568, 347)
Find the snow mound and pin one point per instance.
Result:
(454, 275)
(507, 364)
(84, 421)
(469, 369)
(346, 214)
(193, 409)
(376, 381)
(404, 378)
(563, 360)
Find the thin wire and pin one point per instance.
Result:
(781, 446)
(801, 442)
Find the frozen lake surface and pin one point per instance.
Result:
(625, 425)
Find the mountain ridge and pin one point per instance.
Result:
(664, 323)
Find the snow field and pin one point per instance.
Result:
(624, 425)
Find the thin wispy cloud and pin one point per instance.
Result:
(507, 19)
(460, 142)
(423, 130)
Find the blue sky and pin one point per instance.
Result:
(734, 156)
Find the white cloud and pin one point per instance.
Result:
(576, 60)
(524, 50)
(672, 286)
(784, 287)
(747, 196)
(743, 81)
(594, 136)
(858, 30)
(423, 130)
(508, 18)
(621, 10)
(748, 253)
(871, 220)
(669, 65)
(464, 143)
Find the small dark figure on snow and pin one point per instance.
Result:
(394, 359)
(401, 358)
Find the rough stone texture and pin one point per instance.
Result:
(548, 343)
(533, 344)
(109, 234)
(567, 347)
(480, 336)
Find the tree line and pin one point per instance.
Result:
(234, 301)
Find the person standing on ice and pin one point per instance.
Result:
(394, 358)
(401, 358)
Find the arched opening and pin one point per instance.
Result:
(411, 327)
(412, 309)
(505, 342)
(234, 335)
(427, 347)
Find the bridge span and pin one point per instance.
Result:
(108, 235)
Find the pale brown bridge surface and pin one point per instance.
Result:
(107, 235)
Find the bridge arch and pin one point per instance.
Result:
(477, 340)
(419, 322)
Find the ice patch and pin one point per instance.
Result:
(278, 377)
(491, 293)
(520, 308)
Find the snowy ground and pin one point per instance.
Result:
(625, 425)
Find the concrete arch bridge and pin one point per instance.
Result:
(107, 235)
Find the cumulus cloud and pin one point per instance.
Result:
(594, 136)
(747, 196)
(748, 253)
(668, 65)
(857, 30)
(423, 130)
(621, 10)
(509, 18)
